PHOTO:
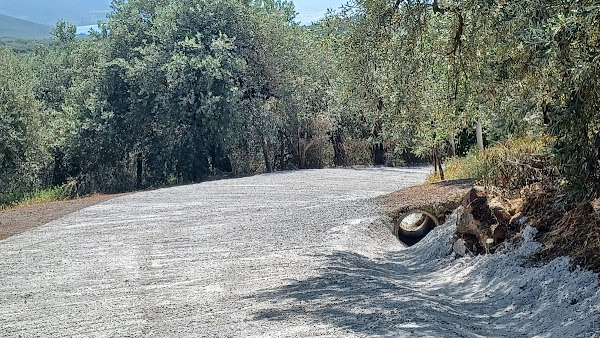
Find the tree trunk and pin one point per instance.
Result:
(378, 151)
(340, 155)
(452, 144)
(479, 135)
(140, 170)
(437, 163)
(282, 151)
(305, 149)
(441, 170)
(265, 146)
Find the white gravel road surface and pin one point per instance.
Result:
(294, 254)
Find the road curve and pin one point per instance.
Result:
(200, 260)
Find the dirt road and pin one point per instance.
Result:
(295, 254)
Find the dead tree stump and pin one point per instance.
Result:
(483, 223)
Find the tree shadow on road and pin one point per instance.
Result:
(396, 296)
(363, 296)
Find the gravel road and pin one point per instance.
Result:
(198, 260)
(291, 254)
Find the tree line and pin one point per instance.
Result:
(175, 91)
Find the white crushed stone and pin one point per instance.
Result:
(293, 254)
(427, 290)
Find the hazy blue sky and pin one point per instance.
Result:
(311, 10)
(87, 12)
(308, 11)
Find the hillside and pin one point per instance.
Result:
(80, 12)
(17, 28)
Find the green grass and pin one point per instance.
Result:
(13, 199)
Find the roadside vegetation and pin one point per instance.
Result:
(170, 92)
(35, 197)
(505, 167)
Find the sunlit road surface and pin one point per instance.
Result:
(211, 259)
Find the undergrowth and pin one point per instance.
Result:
(12, 199)
(522, 169)
(504, 167)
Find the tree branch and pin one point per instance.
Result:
(437, 8)
(456, 45)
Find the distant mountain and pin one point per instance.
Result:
(48, 12)
(16, 28)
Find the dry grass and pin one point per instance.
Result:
(505, 167)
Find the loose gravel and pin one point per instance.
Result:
(293, 254)
(188, 260)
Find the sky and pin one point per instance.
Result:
(312, 10)
(308, 11)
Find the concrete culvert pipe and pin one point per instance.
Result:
(415, 224)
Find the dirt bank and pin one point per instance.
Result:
(20, 219)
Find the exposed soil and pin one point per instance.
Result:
(20, 219)
(566, 229)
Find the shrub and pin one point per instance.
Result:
(505, 167)
(359, 152)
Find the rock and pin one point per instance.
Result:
(476, 203)
(516, 206)
(459, 247)
(475, 194)
(499, 233)
(465, 223)
(484, 222)
(500, 209)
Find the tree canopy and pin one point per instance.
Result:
(176, 91)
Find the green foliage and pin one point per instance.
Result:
(174, 91)
(420, 73)
(173, 87)
(359, 151)
(571, 70)
(23, 150)
(64, 32)
(21, 46)
(37, 197)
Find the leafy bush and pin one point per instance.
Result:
(316, 150)
(506, 167)
(359, 152)
(24, 140)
